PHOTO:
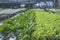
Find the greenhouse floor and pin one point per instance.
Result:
(8, 13)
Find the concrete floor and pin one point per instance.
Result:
(6, 14)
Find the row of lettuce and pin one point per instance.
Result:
(33, 25)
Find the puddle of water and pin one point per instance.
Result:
(1, 23)
(12, 38)
(1, 37)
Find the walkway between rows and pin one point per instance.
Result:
(5, 14)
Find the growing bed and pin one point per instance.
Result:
(34, 24)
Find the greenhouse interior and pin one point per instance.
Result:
(29, 19)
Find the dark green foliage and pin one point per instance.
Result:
(22, 24)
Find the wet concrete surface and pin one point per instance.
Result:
(6, 14)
